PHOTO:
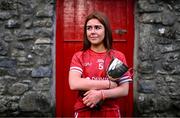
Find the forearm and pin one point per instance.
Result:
(119, 91)
(86, 84)
(78, 83)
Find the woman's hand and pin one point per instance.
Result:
(92, 97)
(112, 84)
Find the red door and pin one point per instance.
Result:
(70, 19)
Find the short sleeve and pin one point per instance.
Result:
(76, 63)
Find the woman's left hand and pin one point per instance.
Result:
(92, 97)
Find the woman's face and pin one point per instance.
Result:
(95, 32)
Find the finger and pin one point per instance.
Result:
(92, 105)
(88, 104)
(85, 98)
(85, 94)
(85, 102)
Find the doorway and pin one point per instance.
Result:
(70, 16)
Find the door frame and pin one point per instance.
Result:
(59, 43)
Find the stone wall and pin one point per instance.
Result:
(26, 60)
(157, 79)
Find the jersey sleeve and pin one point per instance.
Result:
(127, 76)
(76, 63)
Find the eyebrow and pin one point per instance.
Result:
(93, 25)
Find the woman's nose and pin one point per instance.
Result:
(93, 30)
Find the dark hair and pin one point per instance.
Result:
(108, 33)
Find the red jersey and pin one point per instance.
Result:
(94, 65)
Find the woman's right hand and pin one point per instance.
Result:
(112, 84)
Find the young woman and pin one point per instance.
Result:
(98, 96)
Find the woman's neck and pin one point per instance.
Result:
(99, 48)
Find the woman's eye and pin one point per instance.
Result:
(97, 27)
(88, 28)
